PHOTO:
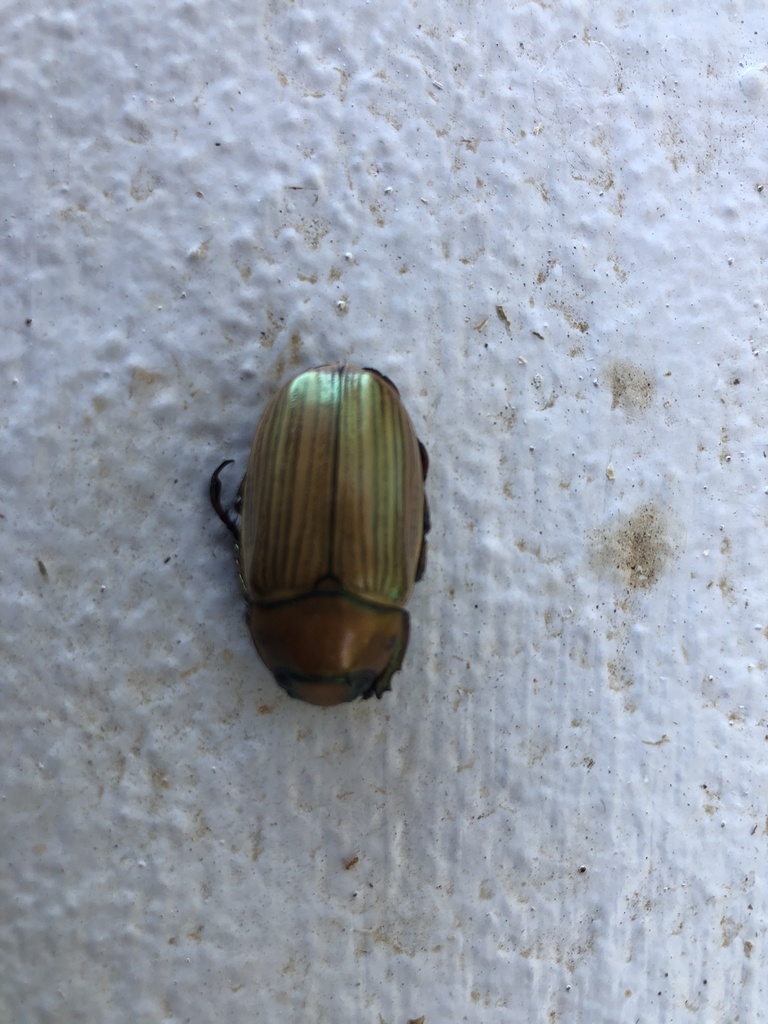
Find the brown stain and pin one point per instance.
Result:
(143, 184)
(549, 402)
(313, 230)
(540, 187)
(509, 419)
(142, 380)
(637, 547)
(69, 213)
(632, 389)
(657, 743)
(270, 334)
(618, 269)
(296, 346)
(257, 845)
(375, 211)
(343, 83)
(382, 936)
(396, 123)
(729, 931)
(618, 679)
(159, 780)
(202, 828)
(138, 131)
(571, 316)
(545, 271)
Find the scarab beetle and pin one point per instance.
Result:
(330, 523)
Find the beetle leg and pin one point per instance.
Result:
(427, 522)
(424, 460)
(238, 506)
(215, 494)
(422, 563)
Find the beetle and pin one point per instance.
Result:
(330, 525)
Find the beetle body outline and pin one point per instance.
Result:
(330, 522)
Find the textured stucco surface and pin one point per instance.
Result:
(547, 223)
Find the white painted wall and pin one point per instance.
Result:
(547, 223)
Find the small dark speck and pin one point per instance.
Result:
(582, 870)
(41, 567)
(736, 380)
(166, 560)
(218, 143)
(28, 321)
